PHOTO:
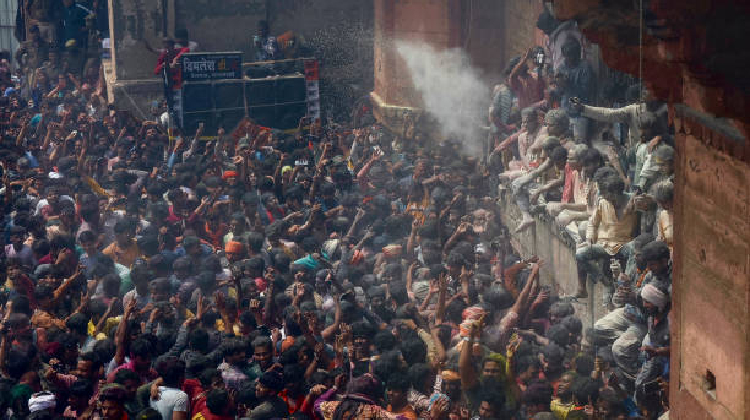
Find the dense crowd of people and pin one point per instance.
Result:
(343, 272)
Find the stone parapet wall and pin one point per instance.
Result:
(547, 241)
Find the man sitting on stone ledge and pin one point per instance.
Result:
(610, 227)
(548, 174)
(531, 130)
(557, 125)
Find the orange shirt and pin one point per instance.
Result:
(124, 256)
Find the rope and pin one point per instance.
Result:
(640, 49)
(471, 19)
(132, 102)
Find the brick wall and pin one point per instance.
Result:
(712, 262)
(520, 26)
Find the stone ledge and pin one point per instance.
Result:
(390, 115)
(136, 95)
(550, 243)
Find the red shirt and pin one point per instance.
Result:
(294, 404)
(529, 90)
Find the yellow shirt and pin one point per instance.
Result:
(560, 410)
(609, 231)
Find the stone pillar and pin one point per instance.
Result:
(131, 83)
(478, 27)
(435, 22)
(132, 23)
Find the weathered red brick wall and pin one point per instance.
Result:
(520, 26)
(436, 22)
(490, 32)
(712, 262)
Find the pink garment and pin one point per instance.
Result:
(529, 90)
(568, 188)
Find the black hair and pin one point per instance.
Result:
(384, 340)
(248, 319)
(385, 366)
(255, 242)
(234, 346)
(78, 323)
(559, 335)
(559, 155)
(198, 340)
(217, 400)
(362, 329)
(398, 381)
(612, 184)
(522, 364)
(124, 375)
(81, 388)
(171, 369)
(414, 351)
(455, 259)
(663, 192)
(105, 349)
(292, 326)
(149, 413)
(418, 374)
(141, 348)
(655, 251)
(17, 364)
(293, 372)
(498, 298)
(573, 324)
(207, 377)
(537, 393)
(584, 389)
(554, 355)
(20, 305)
(546, 22)
(310, 244)
(454, 311)
(111, 285)
(149, 245)
(561, 309)
(105, 265)
(262, 341)
(399, 293)
(591, 156)
(43, 291)
(495, 398)
(584, 365)
(41, 246)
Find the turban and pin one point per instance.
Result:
(230, 174)
(472, 312)
(654, 296)
(41, 401)
(233, 247)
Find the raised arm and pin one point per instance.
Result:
(330, 331)
(469, 375)
(122, 333)
(522, 302)
(440, 313)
